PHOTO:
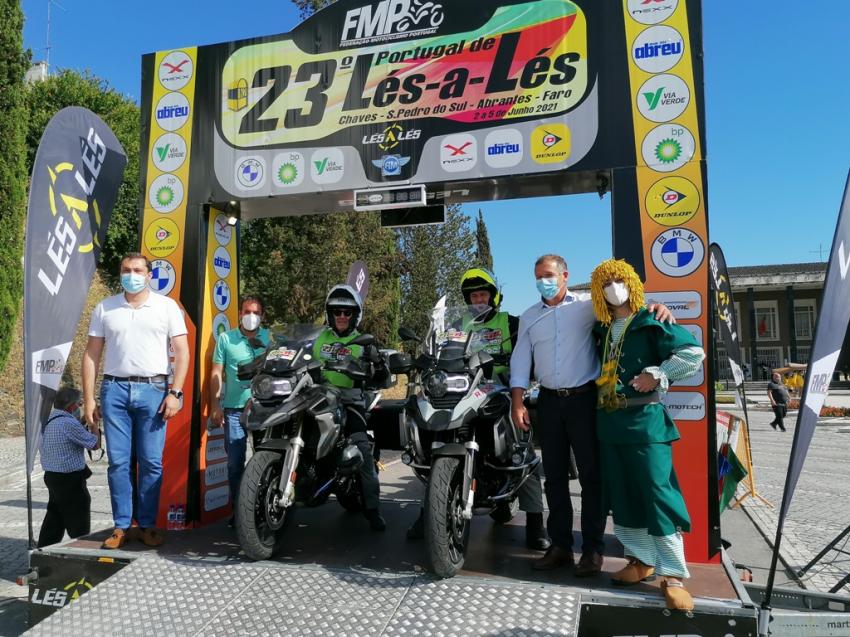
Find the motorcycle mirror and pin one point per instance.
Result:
(406, 334)
(363, 339)
(256, 343)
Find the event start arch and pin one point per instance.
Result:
(388, 104)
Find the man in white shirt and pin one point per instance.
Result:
(555, 334)
(136, 328)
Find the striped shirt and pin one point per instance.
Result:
(62, 443)
(684, 362)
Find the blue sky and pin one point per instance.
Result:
(777, 102)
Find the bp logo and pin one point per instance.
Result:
(166, 193)
(668, 147)
(220, 325)
(672, 201)
(288, 169)
(677, 252)
(163, 276)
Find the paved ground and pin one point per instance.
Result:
(819, 511)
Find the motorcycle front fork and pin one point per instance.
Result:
(469, 485)
(286, 489)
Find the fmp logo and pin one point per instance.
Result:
(389, 17)
(550, 143)
(391, 165)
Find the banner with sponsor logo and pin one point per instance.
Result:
(220, 314)
(724, 306)
(78, 169)
(164, 228)
(831, 327)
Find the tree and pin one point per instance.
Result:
(485, 257)
(13, 175)
(309, 7)
(121, 114)
(292, 263)
(433, 260)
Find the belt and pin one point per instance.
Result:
(159, 378)
(571, 391)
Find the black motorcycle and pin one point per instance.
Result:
(303, 455)
(458, 436)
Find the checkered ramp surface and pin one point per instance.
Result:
(156, 596)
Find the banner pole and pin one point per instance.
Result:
(31, 544)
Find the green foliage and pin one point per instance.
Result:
(292, 262)
(13, 175)
(433, 260)
(121, 114)
(482, 251)
(309, 7)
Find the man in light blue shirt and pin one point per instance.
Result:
(555, 335)
(228, 394)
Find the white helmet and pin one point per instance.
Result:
(344, 296)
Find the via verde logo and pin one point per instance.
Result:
(169, 152)
(327, 166)
(663, 98)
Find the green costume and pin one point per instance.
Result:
(495, 337)
(639, 484)
(330, 348)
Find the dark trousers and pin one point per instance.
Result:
(68, 507)
(779, 412)
(565, 422)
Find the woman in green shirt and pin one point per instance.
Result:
(640, 357)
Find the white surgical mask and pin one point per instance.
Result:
(250, 322)
(616, 293)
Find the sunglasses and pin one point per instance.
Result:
(345, 313)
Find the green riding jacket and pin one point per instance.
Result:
(332, 348)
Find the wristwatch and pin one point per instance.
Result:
(176, 393)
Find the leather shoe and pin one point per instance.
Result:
(589, 565)
(555, 557)
(632, 573)
(116, 540)
(676, 596)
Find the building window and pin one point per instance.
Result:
(804, 318)
(767, 325)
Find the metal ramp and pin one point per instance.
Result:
(157, 596)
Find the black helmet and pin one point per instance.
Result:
(480, 279)
(344, 296)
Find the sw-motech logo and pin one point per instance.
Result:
(685, 405)
(392, 136)
(391, 20)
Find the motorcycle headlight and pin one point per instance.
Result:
(437, 384)
(265, 387)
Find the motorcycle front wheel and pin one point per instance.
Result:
(258, 518)
(446, 530)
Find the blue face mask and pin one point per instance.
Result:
(133, 283)
(548, 287)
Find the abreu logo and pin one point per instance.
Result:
(391, 20)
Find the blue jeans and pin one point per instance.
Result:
(236, 442)
(133, 427)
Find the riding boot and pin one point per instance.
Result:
(376, 522)
(536, 537)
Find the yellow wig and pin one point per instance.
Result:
(614, 270)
